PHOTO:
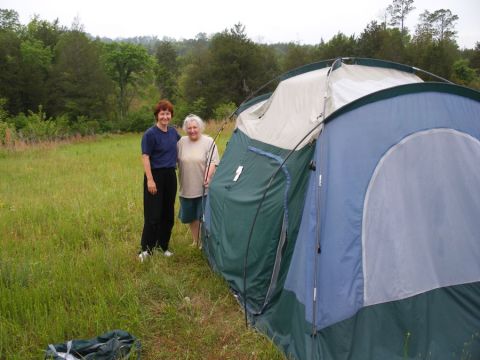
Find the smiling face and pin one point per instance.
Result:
(163, 118)
(193, 130)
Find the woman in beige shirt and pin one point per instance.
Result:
(197, 161)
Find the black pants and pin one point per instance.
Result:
(158, 210)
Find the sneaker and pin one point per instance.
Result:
(168, 253)
(143, 255)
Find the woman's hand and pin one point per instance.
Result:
(207, 182)
(209, 176)
(152, 187)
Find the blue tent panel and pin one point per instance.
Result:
(419, 141)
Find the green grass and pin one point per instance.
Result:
(70, 223)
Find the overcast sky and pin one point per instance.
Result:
(301, 21)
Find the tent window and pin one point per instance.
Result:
(421, 216)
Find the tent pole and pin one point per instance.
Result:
(318, 248)
(208, 163)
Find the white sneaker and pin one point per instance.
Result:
(168, 253)
(143, 255)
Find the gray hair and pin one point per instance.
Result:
(192, 117)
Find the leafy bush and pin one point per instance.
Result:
(84, 126)
(37, 127)
(463, 74)
(182, 109)
(107, 126)
(37, 130)
(199, 107)
(223, 111)
(63, 126)
(7, 133)
(7, 130)
(19, 121)
(140, 120)
(3, 111)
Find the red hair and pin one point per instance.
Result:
(163, 105)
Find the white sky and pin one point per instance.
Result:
(301, 21)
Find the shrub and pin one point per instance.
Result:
(84, 126)
(463, 74)
(199, 107)
(37, 127)
(19, 121)
(3, 111)
(182, 109)
(223, 111)
(37, 130)
(140, 120)
(7, 133)
(63, 127)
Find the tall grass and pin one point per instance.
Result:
(70, 223)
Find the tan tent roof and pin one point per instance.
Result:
(298, 103)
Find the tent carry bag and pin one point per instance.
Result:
(113, 345)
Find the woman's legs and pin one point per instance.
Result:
(190, 213)
(151, 204)
(158, 209)
(169, 190)
(195, 230)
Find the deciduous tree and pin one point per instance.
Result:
(230, 69)
(79, 84)
(339, 45)
(9, 20)
(127, 64)
(378, 42)
(46, 32)
(166, 73)
(10, 70)
(35, 65)
(296, 55)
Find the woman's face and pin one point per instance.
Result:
(164, 117)
(193, 131)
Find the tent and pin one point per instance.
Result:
(345, 214)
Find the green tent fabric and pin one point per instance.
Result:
(113, 345)
(225, 242)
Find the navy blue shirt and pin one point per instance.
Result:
(161, 147)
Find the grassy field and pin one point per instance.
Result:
(70, 223)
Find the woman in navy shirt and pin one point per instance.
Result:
(159, 157)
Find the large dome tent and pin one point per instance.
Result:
(344, 211)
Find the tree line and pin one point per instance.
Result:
(57, 81)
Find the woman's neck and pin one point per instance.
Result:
(162, 127)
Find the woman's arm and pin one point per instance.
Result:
(209, 174)
(151, 186)
(213, 163)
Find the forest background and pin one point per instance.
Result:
(58, 82)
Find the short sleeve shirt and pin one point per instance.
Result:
(193, 158)
(161, 147)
